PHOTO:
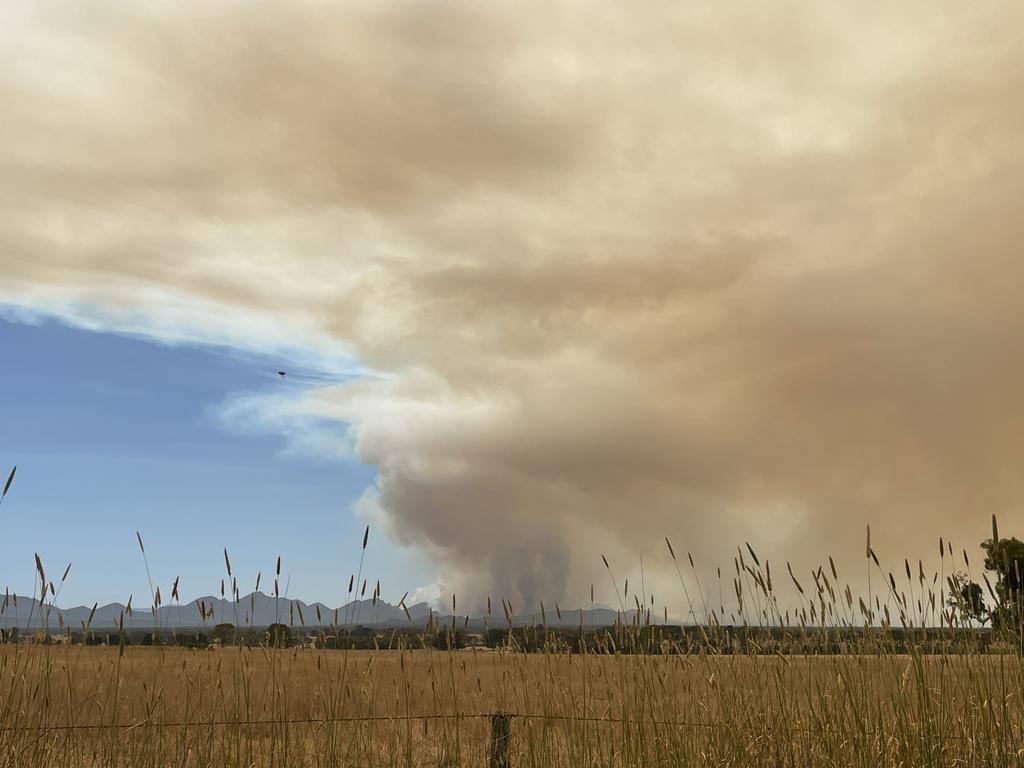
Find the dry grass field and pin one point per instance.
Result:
(261, 707)
(830, 687)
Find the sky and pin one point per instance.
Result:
(580, 276)
(114, 434)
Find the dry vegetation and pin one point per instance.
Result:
(257, 706)
(838, 685)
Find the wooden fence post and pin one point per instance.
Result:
(501, 731)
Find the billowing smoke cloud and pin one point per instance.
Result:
(749, 272)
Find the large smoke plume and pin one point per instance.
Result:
(621, 272)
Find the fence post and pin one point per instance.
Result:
(501, 731)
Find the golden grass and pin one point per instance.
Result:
(572, 709)
(735, 696)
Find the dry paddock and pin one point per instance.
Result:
(75, 706)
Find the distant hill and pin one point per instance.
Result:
(260, 610)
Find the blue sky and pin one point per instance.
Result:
(114, 434)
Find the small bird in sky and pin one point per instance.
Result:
(304, 377)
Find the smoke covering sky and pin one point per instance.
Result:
(587, 275)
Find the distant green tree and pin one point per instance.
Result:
(1005, 558)
(447, 640)
(279, 635)
(967, 600)
(225, 633)
(199, 641)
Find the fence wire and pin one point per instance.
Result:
(604, 720)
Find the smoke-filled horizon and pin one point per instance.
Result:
(603, 274)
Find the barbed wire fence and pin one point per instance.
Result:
(501, 725)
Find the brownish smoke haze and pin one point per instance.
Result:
(742, 273)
